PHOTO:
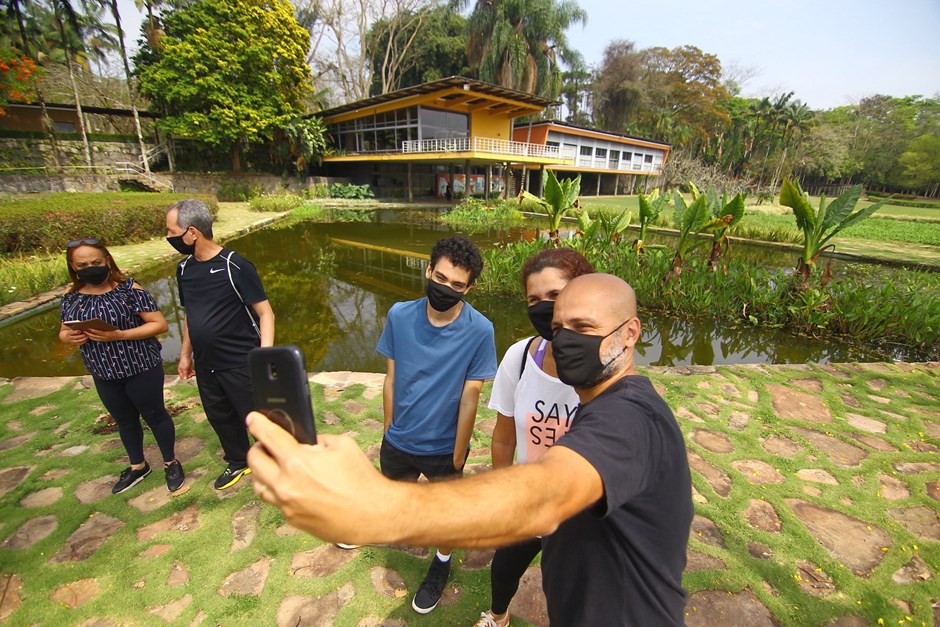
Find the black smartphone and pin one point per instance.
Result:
(281, 391)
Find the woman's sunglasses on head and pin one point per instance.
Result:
(88, 241)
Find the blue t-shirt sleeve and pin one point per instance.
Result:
(386, 345)
(483, 364)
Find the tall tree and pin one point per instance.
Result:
(521, 44)
(228, 73)
(435, 47)
(618, 86)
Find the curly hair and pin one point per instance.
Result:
(570, 262)
(461, 252)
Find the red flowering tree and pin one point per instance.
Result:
(18, 77)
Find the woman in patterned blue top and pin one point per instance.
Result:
(125, 361)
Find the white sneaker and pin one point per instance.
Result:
(346, 547)
(488, 620)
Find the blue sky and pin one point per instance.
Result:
(829, 52)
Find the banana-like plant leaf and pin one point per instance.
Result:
(792, 196)
(840, 208)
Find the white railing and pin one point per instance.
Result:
(620, 166)
(487, 145)
(129, 167)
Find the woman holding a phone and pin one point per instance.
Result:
(534, 408)
(114, 322)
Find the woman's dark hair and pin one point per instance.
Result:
(570, 262)
(461, 252)
(115, 277)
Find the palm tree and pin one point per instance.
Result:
(797, 116)
(518, 43)
(60, 9)
(112, 5)
(18, 11)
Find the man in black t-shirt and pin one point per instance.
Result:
(226, 315)
(612, 498)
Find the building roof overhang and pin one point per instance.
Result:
(455, 93)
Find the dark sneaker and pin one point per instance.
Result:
(231, 476)
(174, 475)
(130, 478)
(429, 594)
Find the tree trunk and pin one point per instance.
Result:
(78, 100)
(130, 85)
(236, 158)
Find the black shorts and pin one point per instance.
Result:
(401, 466)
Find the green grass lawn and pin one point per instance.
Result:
(768, 442)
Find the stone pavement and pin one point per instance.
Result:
(233, 219)
(817, 492)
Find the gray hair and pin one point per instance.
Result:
(192, 212)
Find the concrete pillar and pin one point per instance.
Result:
(487, 180)
(616, 184)
(541, 181)
(411, 194)
(466, 178)
(598, 184)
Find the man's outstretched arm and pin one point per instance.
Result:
(333, 491)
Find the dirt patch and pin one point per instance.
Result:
(855, 543)
(247, 581)
(318, 612)
(893, 489)
(816, 475)
(179, 575)
(933, 490)
(88, 538)
(322, 561)
(31, 532)
(760, 551)
(695, 561)
(738, 420)
(781, 447)
(915, 571)
(171, 611)
(6, 445)
(186, 450)
(185, 521)
(529, 603)
(813, 580)
(713, 441)
(873, 442)
(757, 472)
(352, 407)
(839, 452)
(717, 479)
(33, 387)
(92, 491)
(707, 532)
(914, 468)
(793, 404)
(865, 423)
(42, 497)
(813, 385)
(157, 550)
(245, 525)
(762, 515)
(71, 595)
(684, 414)
(707, 608)
(12, 477)
(388, 583)
(921, 521)
(10, 599)
(52, 475)
(477, 559)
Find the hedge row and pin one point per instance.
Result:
(48, 221)
(904, 202)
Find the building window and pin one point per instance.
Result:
(586, 151)
(435, 124)
(615, 156)
(600, 153)
(552, 144)
(628, 156)
(64, 127)
(648, 159)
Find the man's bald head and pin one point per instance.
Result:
(598, 296)
(603, 306)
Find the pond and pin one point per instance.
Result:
(330, 285)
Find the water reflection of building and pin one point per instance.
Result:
(393, 270)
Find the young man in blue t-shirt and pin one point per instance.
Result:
(439, 351)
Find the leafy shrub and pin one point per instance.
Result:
(236, 191)
(474, 213)
(275, 202)
(339, 190)
(46, 222)
(901, 201)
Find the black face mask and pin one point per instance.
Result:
(441, 297)
(578, 357)
(181, 246)
(94, 275)
(540, 315)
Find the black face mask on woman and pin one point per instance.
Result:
(540, 315)
(442, 297)
(181, 247)
(578, 356)
(94, 275)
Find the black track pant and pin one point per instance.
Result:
(509, 564)
(132, 398)
(226, 399)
